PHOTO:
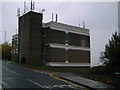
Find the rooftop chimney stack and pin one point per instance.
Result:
(56, 17)
(83, 25)
(24, 7)
(18, 12)
(32, 5)
(52, 17)
(79, 21)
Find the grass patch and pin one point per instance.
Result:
(28, 65)
(51, 69)
(40, 67)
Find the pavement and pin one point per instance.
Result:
(85, 82)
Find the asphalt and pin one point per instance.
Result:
(18, 77)
(91, 84)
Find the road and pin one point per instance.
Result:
(16, 76)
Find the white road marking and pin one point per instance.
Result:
(4, 67)
(43, 72)
(58, 86)
(51, 86)
(46, 86)
(11, 71)
(3, 83)
(35, 83)
(71, 86)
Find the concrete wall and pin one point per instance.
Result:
(35, 39)
(30, 38)
(23, 37)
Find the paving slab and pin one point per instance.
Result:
(85, 82)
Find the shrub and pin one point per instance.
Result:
(102, 70)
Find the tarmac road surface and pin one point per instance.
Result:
(15, 76)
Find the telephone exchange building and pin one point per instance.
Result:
(52, 43)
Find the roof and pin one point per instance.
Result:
(67, 28)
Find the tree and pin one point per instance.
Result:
(111, 56)
(6, 51)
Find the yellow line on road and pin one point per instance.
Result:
(76, 85)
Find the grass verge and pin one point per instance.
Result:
(40, 67)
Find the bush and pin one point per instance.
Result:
(102, 70)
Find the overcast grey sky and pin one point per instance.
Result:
(100, 17)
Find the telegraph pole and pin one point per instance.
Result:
(5, 37)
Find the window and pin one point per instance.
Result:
(16, 51)
(83, 42)
(14, 45)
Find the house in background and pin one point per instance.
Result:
(53, 43)
(14, 51)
